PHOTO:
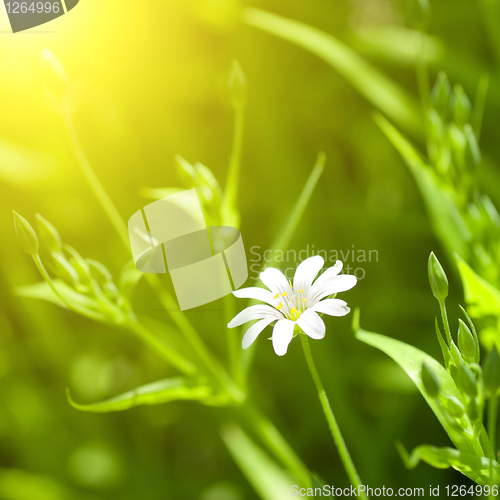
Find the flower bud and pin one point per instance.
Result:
(435, 133)
(458, 144)
(80, 265)
(49, 237)
(25, 235)
(237, 86)
(430, 380)
(472, 148)
(64, 270)
(53, 74)
(454, 406)
(474, 412)
(100, 272)
(455, 354)
(437, 278)
(466, 341)
(461, 106)
(467, 381)
(491, 373)
(440, 95)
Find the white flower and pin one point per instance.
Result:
(296, 304)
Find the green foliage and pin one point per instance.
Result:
(269, 480)
(456, 393)
(477, 468)
(382, 92)
(446, 219)
(411, 359)
(159, 392)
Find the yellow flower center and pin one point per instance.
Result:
(293, 304)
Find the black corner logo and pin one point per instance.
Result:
(24, 15)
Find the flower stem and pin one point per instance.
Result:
(48, 279)
(332, 422)
(444, 316)
(233, 176)
(233, 341)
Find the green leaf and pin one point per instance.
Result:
(399, 44)
(268, 479)
(80, 303)
(382, 92)
(475, 468)
(161, 391)
(482, 298)
(445, 217)
(410, 359)
(158, 193)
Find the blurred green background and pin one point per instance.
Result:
(148, 81)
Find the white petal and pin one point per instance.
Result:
(254, 312)
(257, 294)
(332, 307)
(282, 336)
(275, 280)
(312, 325)
(306, 272)
(330, 286)
(253, 332)
(329, 273)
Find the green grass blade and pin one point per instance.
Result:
(376, 87)
(283, 239)
(447, 222)
(161, 391)
(266, 477)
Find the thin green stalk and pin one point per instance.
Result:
(332, 422)
(48, 279)
(492, 430)
(444, 316)
(277, 444)
(164, 350)
(100, 192)
(233, 175)
(229, 216)
(122, 231)
(232, 338)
